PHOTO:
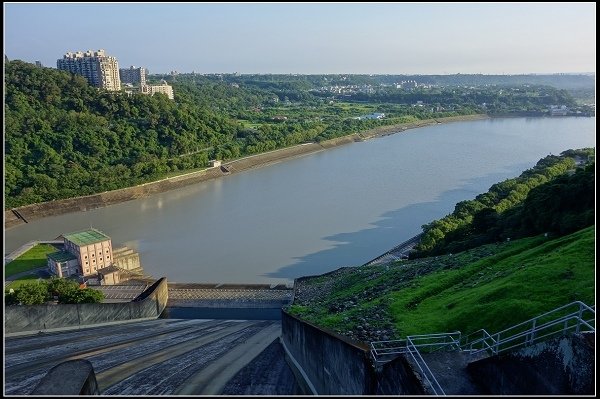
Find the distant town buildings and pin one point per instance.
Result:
(375, 115)
(163, 87)
(133, 75)
(38, 64)
(99, 69)
(556, 110)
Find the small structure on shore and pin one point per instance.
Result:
(215, 163)
(88, 254)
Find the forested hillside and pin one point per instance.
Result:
(552, 197)
(64, 138)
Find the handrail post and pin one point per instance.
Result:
(531, 335)
(497, 344)
(579, 317)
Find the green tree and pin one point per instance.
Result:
(32, 293)
(85, 295)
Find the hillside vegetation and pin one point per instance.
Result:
(492, 286)
(64, 138)
(555, 196)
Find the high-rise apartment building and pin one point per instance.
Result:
(99, 69)
(133, 75)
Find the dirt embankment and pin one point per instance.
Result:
(16, 216)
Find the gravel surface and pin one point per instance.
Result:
(361, 295)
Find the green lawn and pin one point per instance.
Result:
(32, 259)
(249, 125)
(528, 279)
(20, 281)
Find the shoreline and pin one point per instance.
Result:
(21, 215)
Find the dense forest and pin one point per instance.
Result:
(556, 196)
(306, 82)
(64, 138)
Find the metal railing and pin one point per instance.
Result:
(384, 351)
(575, 316)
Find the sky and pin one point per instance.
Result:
(312, 38)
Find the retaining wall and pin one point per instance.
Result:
(334, 364)
(24, 318)
(561, 366)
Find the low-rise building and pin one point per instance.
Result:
(163, 88)
(556, 110)
(89, 254)
(92, 248)
(63, 264)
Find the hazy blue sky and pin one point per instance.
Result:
(312, 38)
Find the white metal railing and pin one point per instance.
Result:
(575, 316)
(384, 351)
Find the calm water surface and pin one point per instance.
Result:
(316, 213)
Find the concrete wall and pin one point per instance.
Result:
(399, 378)
(561, 366)
(333, 364)
(149, 304)
(73, 377)
(128, 260)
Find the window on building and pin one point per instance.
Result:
(87, 270)
(94, 261)
(85, 257)
(86, 262)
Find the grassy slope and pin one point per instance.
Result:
(491, 287)
(32, 259)
(530, 278)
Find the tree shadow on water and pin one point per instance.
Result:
(394, 227)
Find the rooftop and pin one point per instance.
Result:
(86, 237)
(109, 269)
(61, 256)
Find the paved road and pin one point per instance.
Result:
(158, 357)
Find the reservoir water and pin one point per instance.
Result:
(316, 213)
